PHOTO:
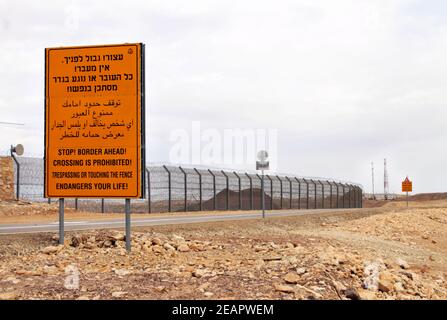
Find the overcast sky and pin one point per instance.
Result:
(343, 82)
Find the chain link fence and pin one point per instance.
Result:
(177, 189)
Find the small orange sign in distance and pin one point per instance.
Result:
(94, 121)
(407, 185)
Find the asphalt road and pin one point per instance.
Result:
(156, 221)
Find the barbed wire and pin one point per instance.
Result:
(206, 188)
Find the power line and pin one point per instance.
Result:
(11, 123)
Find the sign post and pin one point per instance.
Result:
(94, 124)
(407, 186)
(61, 221)
(127, 209)
(262, 165)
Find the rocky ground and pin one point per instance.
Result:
(386, 252)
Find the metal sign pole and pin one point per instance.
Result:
(61, 221)
(262, 190)
(127, 209)
(407, 199)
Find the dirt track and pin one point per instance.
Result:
(386, 252)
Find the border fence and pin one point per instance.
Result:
(181, 189)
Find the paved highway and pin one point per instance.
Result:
(156, 221)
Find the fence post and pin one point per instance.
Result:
(200, 188)
(251, 191)
(148, 190)
(271, 191)
(280, 187)
(336, 185)
(18, 174)
(349, 195)
(330, 196)
(240, 189)
(299, 193)
(354, 196)
(361, 197)
(169, 188)
(228, 189)
(344, 202)
(290, 192)
(357, 196)
(214, 189)
(322, 193)
(185, 205)
(307, 193)
(315, 193)
(102, 205)
(76, 203)
(262, 189)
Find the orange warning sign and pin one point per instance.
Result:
(94, 121)
(407, 185)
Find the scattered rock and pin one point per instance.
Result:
(118, 294)
(167, 246)
(8, 296)
(291, 277)
(177, 238)
(272, 258)
(75, 241)
(12, 279)
(119, 237)
(386, 282)
(196, 247)
(50, 249)
(340, 287)
(398, 287)
(351, 293)
(402, 263)
(284, 288)
(183, 247)
(314, 294)
(157, 249)
(290, 245)
(198, 273)
(300, 270)
(367, 295)
(29, 272)
(107, 244)
(122, 272)
(208, 294)
(157, 241)
(50, 269)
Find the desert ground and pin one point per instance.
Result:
(384, 251)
